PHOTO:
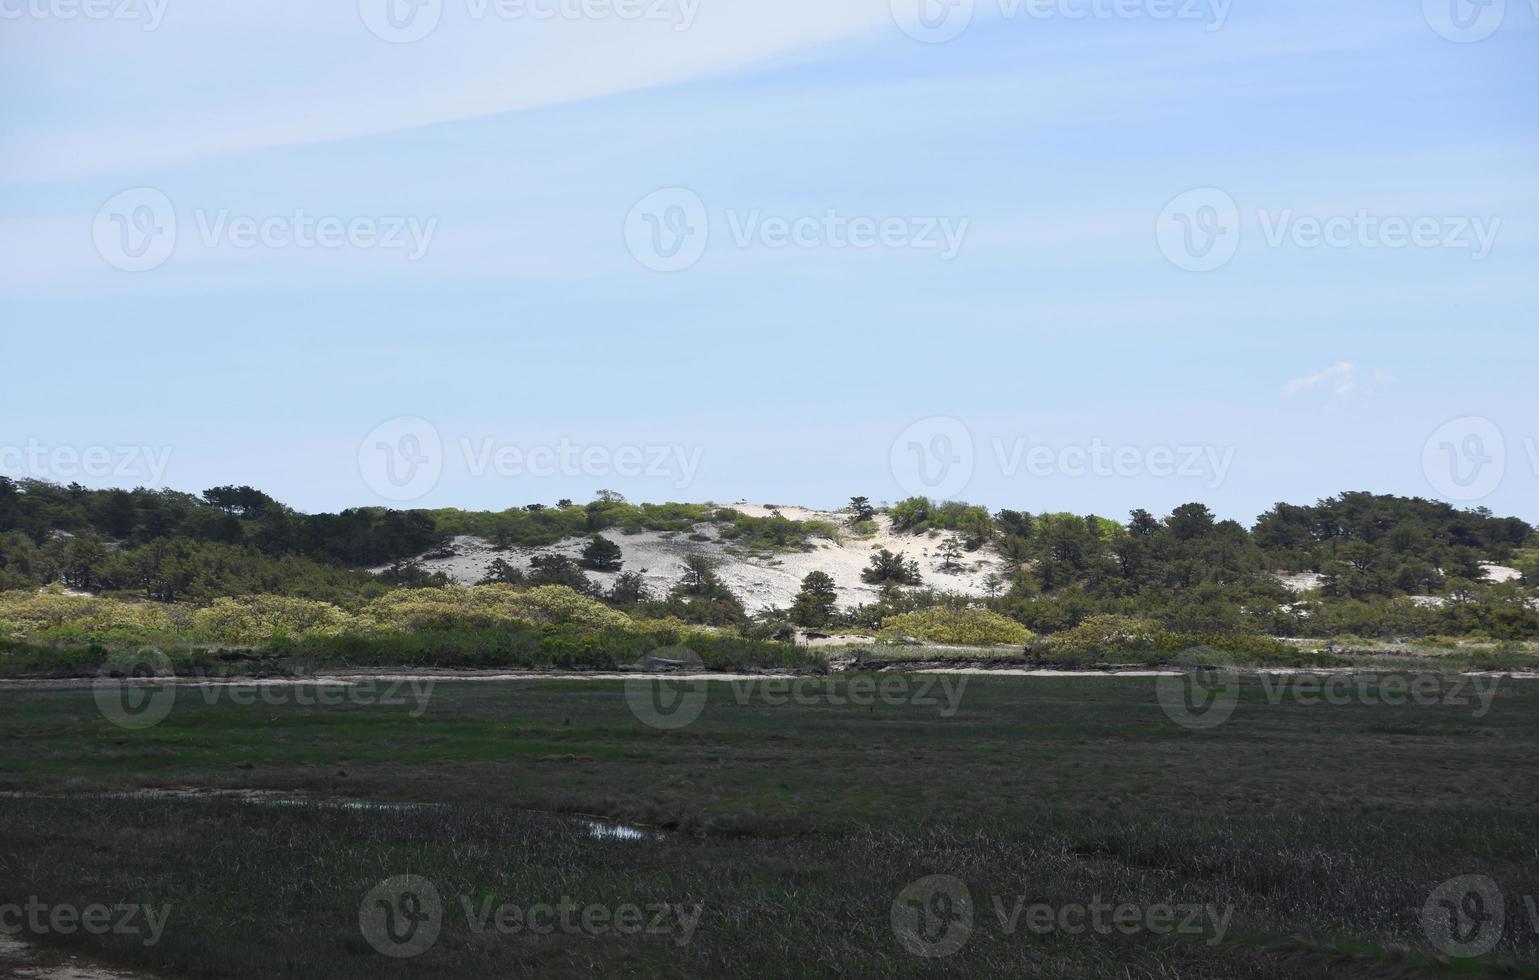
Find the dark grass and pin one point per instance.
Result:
(500, 648)
(796, 824)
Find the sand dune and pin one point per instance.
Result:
(760, 581)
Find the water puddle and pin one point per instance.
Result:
(596, 827)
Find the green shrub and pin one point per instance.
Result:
(960, 626)
(262, 618)
(1111, 634)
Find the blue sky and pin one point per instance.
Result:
(790, 360)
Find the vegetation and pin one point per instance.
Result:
(794, 822)
(702, 597)
(952, 624)
(861, 510)
(601, 555)
(887, 568)
(814, 606)
(234, 566)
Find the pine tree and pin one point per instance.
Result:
(814, 606)
(601, 555)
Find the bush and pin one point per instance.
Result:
(491, 605)
(263, 618)
(887, 567)
(960, 626)
(57, 615)
(1113, 634)
(1141, 640)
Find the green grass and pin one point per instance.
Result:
(1322, 826)
(469, 648)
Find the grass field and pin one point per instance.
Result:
(888, 826)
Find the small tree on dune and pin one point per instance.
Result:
(861, 510)
(814, 605)
(601, 555)
(951, 555)
(503, 573)
(888, 568)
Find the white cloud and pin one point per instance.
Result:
(217, 78)
(1341, 380)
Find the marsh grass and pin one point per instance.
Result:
(796, 824)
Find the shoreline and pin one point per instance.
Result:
(355, 677)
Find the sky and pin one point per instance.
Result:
(1083, 255)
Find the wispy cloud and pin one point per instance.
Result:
(1341, 380)
(342, 81)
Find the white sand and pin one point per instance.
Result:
(1300, 581)
(761, 582)
(1308, 581)
(1500, 573)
